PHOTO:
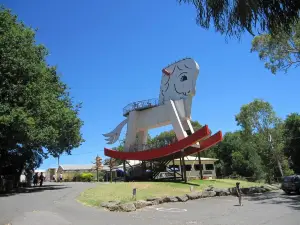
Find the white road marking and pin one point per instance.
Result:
(172, 210)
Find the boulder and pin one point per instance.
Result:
(110, 203)
(170, 199)
(182, 198)
(113, 207)
(245, 191)
(127, 207)
(194, 195)
(141, 204)
(155, 201)
(221, 191)
(209, 188)
(152, 199)
(268, 188)
(206, 194)
(254, 190)
(232, 191)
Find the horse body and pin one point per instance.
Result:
(178, 86)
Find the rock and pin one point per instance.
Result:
(268, 188)
(209, 188)
(170, 199)
(194, 195)
(152, 199)
(254, 190)
(127, 207)
(141, 204)
(232, 191)
(221, 191)
(206, 194)
(114, 207)
(110, 203)
(182, 198)
(245, 191)
(156, 201)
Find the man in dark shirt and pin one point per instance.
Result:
(239, 193)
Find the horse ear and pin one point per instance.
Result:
(166, 72)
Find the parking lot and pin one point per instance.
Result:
(56, 204)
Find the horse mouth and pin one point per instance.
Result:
(181, 93)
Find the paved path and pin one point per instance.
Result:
(56, 205)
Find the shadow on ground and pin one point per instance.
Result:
(49, 187)
(292, 200)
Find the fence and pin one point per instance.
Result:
(140, 105)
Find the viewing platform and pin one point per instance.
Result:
(140, 105)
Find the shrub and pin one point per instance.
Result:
(86, 177)
(77, 177)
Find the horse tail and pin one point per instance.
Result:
(114, 135)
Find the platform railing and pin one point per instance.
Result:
(140, 105)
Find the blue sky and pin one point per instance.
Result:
(111, 53)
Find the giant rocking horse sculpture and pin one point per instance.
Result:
(177, 89)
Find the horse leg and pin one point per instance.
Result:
(142, 137)
(187, 126)
(130, 140)
(176, 121)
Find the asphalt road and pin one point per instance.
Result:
(55, 204)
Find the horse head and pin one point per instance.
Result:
(179, 80)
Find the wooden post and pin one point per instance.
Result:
(124, 169)
(181, 169)
(200, 166)
(184, 170)
(151, 167)
(174, 169)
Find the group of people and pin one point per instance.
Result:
(38, 179)
(60, 178)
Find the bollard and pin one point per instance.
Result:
(134, 193)
(191, 188)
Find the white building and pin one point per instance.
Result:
(193, 168)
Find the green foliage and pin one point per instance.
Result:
(292, 137)
(86, 177)
(233, 18)
(83, 177)
(37, 115)
(262, 130)
(279, 52)
(236, 157)
(257, 117)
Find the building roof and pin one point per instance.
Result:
(78, 167)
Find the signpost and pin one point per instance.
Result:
(134, 193)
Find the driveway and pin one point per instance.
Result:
(55, 204)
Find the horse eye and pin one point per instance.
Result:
(183, 78)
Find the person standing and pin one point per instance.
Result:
(35, 179)
(60, 177)
(41, 179)
(239, 193)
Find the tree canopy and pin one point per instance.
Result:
(234, 17)
(37, 114)
(292, 137)
(280, 52)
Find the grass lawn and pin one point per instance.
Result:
(123, 191)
